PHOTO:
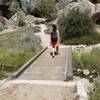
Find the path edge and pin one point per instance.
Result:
(27, 64)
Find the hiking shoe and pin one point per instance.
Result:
(51, 53)
(55, 53)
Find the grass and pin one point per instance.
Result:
(2, 74)
(16, 48)
(13, 60)
(89, 61)
(96, 94)
(86, 40)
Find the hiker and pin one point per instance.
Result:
(55, 39)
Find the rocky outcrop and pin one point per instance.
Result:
(62, 3)
(14, 6)
(82, 5)
(9, 7)
(4, 23)
(18, 18)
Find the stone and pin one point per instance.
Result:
(96, 14)
(9, 7)
(97, 8)
(62, 3)
(14, 6)
(82, 5)
(18, 19)
(1, 27)
(4, 23)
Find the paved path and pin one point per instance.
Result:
(46, 67)
(38, 90)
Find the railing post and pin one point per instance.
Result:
(69, 67)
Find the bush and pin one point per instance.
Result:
(75, 25)
(20, 18)
(2, 74)
(87, 40)
(47, 9)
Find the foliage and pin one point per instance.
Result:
(47, 9)
(22, 40)
(75, 25)
(87, 60)
(87, 39)
(16, 49)
(96, 94)
(20, 18)
(2, 74)
(15, 59)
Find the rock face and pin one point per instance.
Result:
(62, 3)
(18, 19)
(97, 8)
(8, 7)
(83, 5)
(4, 23)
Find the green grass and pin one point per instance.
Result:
(2, 74)
(16, 48)
(86, 40)
(89, 61)
(14, 60)
(96, 94)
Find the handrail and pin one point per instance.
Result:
(68, 66)
(26, 65)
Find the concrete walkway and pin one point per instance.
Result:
(38, 90)
(47, 68)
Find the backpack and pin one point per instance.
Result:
(54, 36)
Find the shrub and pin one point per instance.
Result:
(87, 39)
(75, 24)
(47, 9)
(20, 18)
(2, 74)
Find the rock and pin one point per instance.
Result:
(9, 7)
(97, 8)
(1, 27)
(82, 5)
(86, 72)
(32, 3)
(96, 15)
(14, 6)
(95, 1)
(40, 20)
(4, 23)
(18, 19)
(48, 30)
(37, 29)
(62, 3)
(30, 19)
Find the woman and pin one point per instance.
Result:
(55, 39)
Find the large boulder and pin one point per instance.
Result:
(14, 6)
(95, 1)
(9, 7)
(82, 5)
(30, 5)
(18, 19)
(4, 23)
(97, 8)
(1, 27)
(62, 3)
(96, 15)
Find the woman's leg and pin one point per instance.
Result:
(57, 50)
